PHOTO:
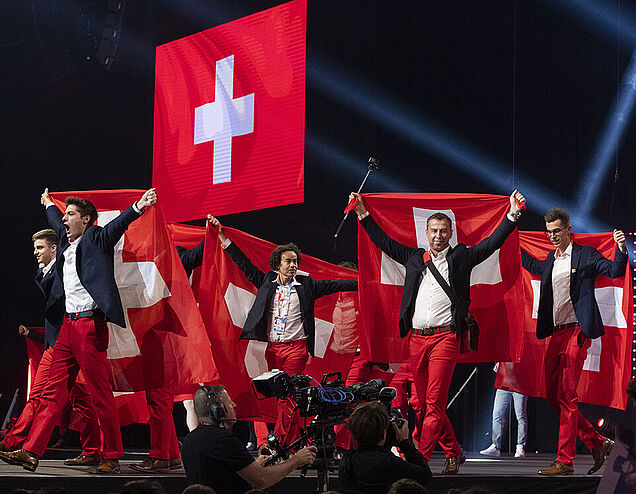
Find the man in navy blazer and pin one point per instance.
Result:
(84, 263)
(568, 312)
(44, 249)
(435, 324)
(283, 315)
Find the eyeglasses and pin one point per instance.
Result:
(554, 232)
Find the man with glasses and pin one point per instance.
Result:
(569, 314)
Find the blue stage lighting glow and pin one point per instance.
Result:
(399, 118)
(352, 168)
(615, 125)
(603, 18)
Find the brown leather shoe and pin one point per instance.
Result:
(83, 461)
(21, 457)
(151, 465)
(558, 468)
(599, 454)
(451, 467)
(106, 467)
(175, 463)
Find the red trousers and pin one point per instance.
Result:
(163, 437)
(292, 358)
(81, 345)
(80, 401)
(564, 360)
(432, 360)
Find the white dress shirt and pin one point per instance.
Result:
(432, 305)
(562, 310)
(285, 303)
(77, 298)
(48, 267)
(287, 306)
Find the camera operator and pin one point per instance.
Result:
(372, 467)
(214, 456)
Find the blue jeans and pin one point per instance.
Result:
(500, 415)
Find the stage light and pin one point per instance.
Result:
(601, 423)
(615, 126)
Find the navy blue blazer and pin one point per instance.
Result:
(192, 258)
(461, 260)
(94, 259)
(308, 291)
(587, 264)
(53, 291)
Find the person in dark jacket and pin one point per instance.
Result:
(283, 315)
(568, 313)
(372, 468)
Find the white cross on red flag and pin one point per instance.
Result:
(230, 116)
(493, 288)
(165, 342)
(225, 297)
(607, 368)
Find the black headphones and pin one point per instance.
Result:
(214, 404)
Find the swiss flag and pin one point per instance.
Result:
(493, 282)
(188, 237)
(164, 342)
(230, 114)
(607, 368)
(225, 298)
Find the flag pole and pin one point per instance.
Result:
(372, 164)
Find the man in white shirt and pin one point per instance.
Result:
(434, 324)
(84, 263)
(569, 315)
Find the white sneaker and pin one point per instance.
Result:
(491, 450)
(520, 451)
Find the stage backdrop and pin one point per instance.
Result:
(225, 297)
(607, 368)
(230, 116)
(494, 288)
(164, 342)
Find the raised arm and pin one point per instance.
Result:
(484, 249)
(192, 258)
(53, 214)
(327, 287)
(616, 268)
(392, 248)
(530, 264)
(113, 230)
(254, 275)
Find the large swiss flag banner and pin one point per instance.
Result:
(225, 297)
(230, 115)
(164, 342)
(607, 368)
(188, 237)
(493, 282)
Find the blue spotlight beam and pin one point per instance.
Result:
(602, 18)
(602, 159)
(399, 118)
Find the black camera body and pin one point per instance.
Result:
(330, 402)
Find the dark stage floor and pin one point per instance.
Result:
(502, 475)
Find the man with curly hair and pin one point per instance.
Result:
(283, 315)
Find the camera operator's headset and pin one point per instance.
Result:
(217, 409)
